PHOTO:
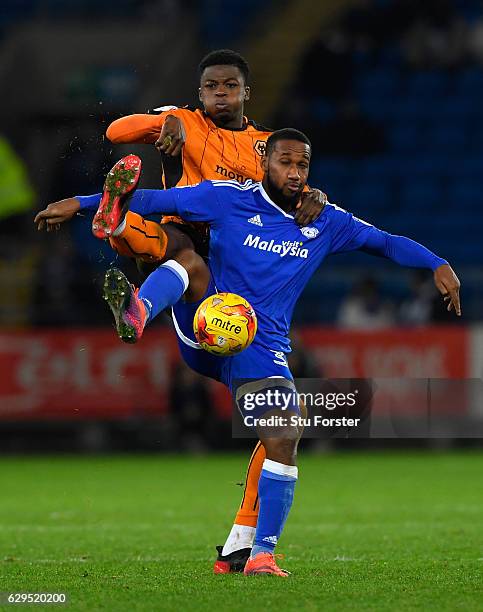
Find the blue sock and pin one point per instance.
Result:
(275, 493)
(163, 288)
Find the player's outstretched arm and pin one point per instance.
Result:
(56, 213)
(197, 203)
(143, 129)
(165, 130)
(143, 202)
(350, 233)
(407, 252)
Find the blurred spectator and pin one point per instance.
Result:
(436, 44)
(64, 296)
(425, 304)
(326, 69)
(18, 265)
(417, 308)
(16, 193)
(475, 41)
(371, 26)
(324, 78)
(365, 308)
(194, 419)
(162, 11)
(335, 130)
(17, 255)
(84, 161)
(300, 360)
(350, 133)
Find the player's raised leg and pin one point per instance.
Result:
(134, 308)
(130, 234)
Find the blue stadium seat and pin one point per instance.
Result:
(444, 135)
(421, 194)
(381, 82)
(466, 166)
(452, 108)
(470, 82)
(332, 175)
(407, 137)
(466, 193)
(390, 55)
(334, 166)
(375, 106)
(379, 166)
(429, 165)
(428, 83)
(371, 196)
(323, 109)
(474, 130)
(413, 107)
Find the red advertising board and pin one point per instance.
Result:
(414, 370)
(80, 374)
(83, 374)
(431, 352)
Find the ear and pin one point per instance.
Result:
(247, 93)
(199, 94)
(264, 163)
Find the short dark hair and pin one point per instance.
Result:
(225, 57)
(285, 134)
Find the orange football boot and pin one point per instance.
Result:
(264, 564)
(121, 181)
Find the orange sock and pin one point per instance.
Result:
(140, 238)
(248, 512)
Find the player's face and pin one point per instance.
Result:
(223, 94)
(287, 170)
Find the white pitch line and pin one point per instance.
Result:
(107, 526)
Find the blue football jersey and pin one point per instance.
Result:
(257, 250)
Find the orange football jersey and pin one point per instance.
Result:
(209, 153)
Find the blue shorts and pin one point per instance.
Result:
(255, 363)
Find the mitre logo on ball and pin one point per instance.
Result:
(225, 324)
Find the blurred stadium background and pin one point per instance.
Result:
(391, 94)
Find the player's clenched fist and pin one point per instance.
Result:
(56, 213)
(172, 137)
(312, 203)
(449, 285)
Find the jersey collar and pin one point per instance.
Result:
(240, 129)
(266, 197)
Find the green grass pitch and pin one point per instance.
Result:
(369, 531)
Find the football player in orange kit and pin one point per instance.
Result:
(216, 143)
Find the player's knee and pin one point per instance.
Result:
(190, 260)
(177, 241)
(198, 274)
(283, 449)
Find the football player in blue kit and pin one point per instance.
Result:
(259, 252)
